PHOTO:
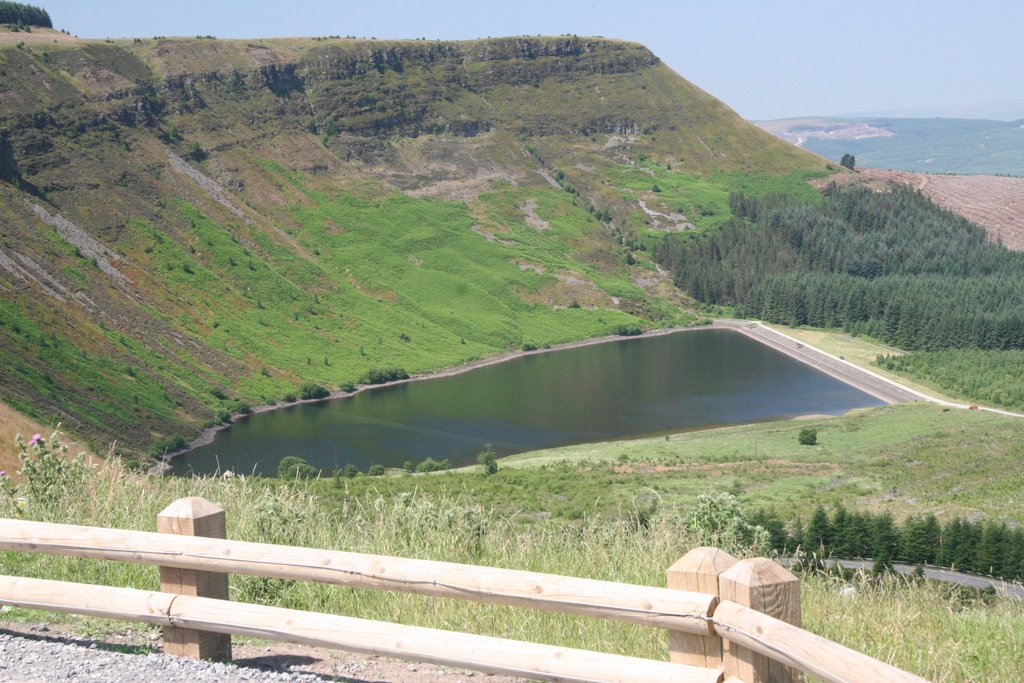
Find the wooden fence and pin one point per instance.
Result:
(727, 620)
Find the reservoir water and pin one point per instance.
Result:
(631, 388)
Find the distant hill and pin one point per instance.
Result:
(1002, 110)
(937, 145)
(194, 226)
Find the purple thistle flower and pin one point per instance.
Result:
(35, 439)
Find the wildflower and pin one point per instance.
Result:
(3, 473)
(35, 439)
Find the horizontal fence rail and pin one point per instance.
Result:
(726, 618)
(659, 607)
(484, 653)
(797, 648)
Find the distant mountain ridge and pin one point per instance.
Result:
(1003, 110)
(934, 145)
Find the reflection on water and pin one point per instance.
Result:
(630, 388)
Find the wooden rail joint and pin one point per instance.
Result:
(757, 583)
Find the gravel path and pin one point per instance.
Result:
(38, 659)
(41, 654)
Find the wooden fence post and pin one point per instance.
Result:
(194, 517)
(697, 571)
(767, 587)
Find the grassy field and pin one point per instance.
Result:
(906, 625)
(908, 459)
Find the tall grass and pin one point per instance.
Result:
(940, 632)
(930, 630)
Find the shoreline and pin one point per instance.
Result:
(208, 434)
(884, 389)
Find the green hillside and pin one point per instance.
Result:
(193, 226)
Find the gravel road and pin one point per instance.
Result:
(39, 659)
(1005, 589)
(38, 653)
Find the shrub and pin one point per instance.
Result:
(312, 390)
(168, 444)
(808, 436)
(294, 467)
(382, 375)
(719, 521)
(195, 152)
(488, 461)
(49, 475)
(241, 407)
(376, 470)
(431, 465)
(627, 330)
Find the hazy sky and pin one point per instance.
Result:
(766, 59)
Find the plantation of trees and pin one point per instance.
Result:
(995, 377)
(891, 265)
(983, 547)
(24, 15)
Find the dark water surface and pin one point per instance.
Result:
(630, 388)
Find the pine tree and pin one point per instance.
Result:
(841, 533)
(770, 522)
(991, 549)
(885, 542)
(818, 537)
(1014, 559)
(919, 541)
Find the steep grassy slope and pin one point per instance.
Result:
(193, 225)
